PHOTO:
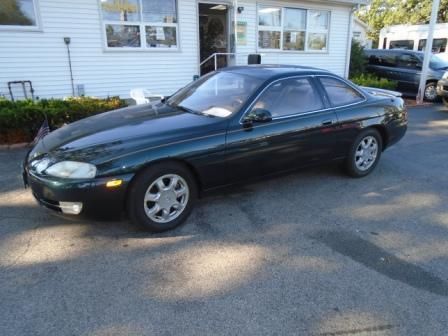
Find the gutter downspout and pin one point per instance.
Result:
(349, 41)
(235, 30)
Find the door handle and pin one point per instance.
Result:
(327, 122)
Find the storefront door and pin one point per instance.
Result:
(214, 32)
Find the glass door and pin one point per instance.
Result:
(214, 32)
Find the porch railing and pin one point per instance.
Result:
(215, 57)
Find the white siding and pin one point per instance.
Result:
(334, 60)
(41, 56)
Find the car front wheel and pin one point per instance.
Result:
(162, 197)
(431, 92)
(364, 153)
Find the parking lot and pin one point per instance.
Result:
(313, 253)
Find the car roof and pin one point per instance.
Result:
(267, 71)
(394, 51)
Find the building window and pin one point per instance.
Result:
(18, 14)
(438, 45)
(141, 24)
(402, 44)
(296, 29)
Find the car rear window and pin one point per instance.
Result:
(339, 92)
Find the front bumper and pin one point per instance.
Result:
(96, 198)
(442, 88)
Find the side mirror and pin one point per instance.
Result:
(258, 115)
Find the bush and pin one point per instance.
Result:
(20, 120)
(357, 59)
(370, 80)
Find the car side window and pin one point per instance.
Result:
(339, 92)
(388, 59)
(289, 96)
(408, 61)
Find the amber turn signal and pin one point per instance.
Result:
(114, 183)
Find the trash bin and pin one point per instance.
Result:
(254, 59)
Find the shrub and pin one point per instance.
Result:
(373, 81)
(20, 120)
(357, 59)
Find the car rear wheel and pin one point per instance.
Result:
(364, 153)
(162, 197)
(430, 92)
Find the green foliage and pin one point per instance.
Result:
(370, 80)
(26, 116)
(357, 59)
(11, 14)
(383, 13)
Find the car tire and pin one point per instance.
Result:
(365, 153)
(162, 196)
(430, 93)
(445, 101)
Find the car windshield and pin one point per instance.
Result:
(219, 94)
(439, 61)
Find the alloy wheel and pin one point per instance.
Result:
(166, 198)
(366, 153)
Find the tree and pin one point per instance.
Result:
(11, 14)
(383, 13)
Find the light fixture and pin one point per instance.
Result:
(219, 7)
(71, 208)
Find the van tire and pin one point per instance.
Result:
(430, 93)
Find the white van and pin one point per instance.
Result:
(413, 37)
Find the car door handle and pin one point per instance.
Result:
(327, 122)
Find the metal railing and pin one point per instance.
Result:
(215, 56)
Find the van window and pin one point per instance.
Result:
(382, 58)
(388, 59)
(438, 45)
(402, 44)
(408, 61)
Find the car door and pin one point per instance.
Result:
(388, 65)
(374, 63)
(408, 72)
(346, 101)
(298, 134)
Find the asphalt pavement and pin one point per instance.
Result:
(312, 253)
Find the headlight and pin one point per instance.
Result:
(72, 170)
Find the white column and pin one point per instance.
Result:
(349, 42)
(428, 51)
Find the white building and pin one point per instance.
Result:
(360, 30)
(413, 37)
(116, 45)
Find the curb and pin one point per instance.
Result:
(15, 146)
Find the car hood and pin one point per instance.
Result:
(122, 131)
